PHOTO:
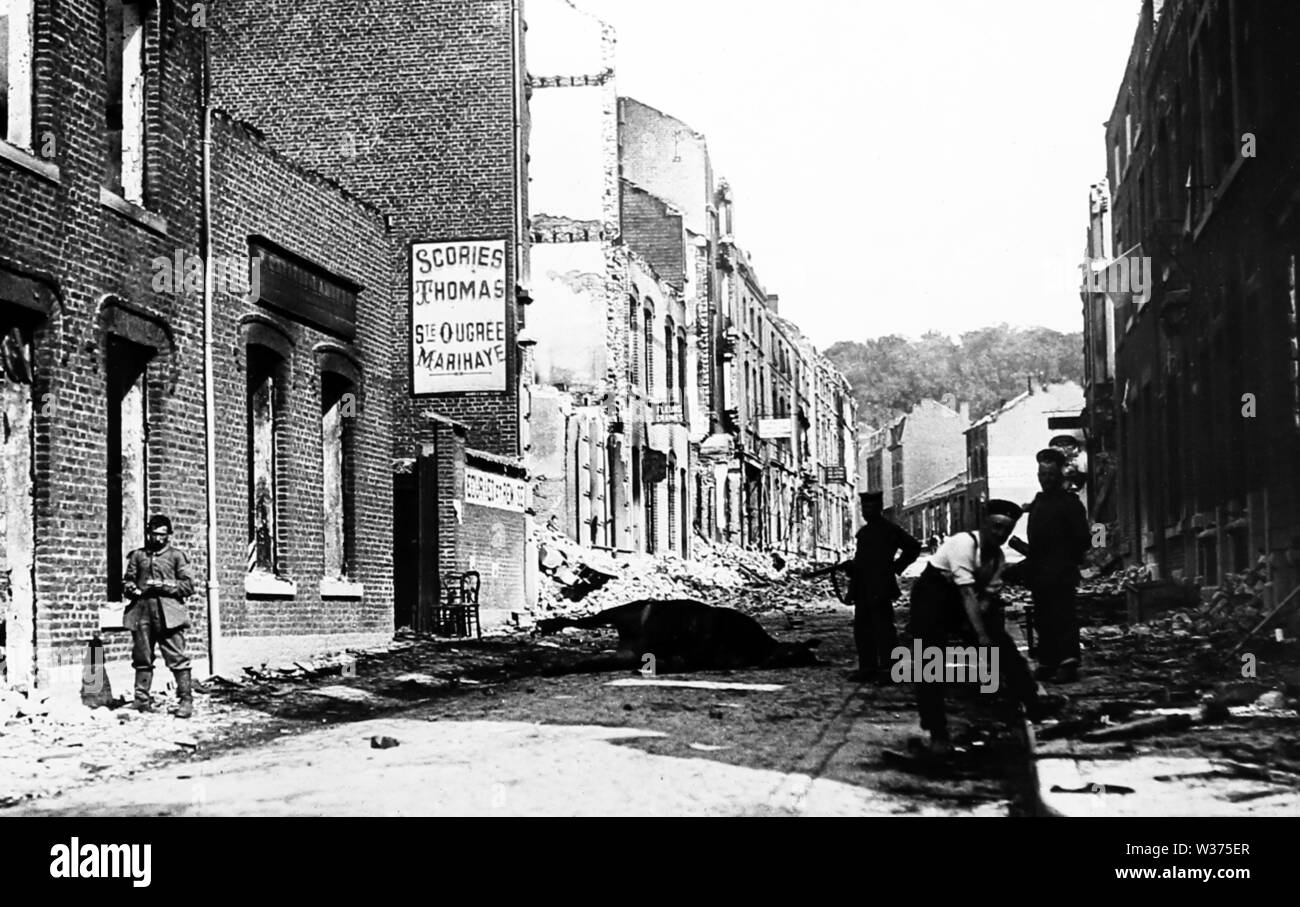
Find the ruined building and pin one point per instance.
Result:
(1194, 384)
(110, 205)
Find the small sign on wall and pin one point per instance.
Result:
(487, 489)
(776, 428)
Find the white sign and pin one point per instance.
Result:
(491, 490)
(776, 428)
(458, 316)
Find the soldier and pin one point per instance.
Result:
(1059, 538)
(957, 595)
(158, 580)
(873, 587)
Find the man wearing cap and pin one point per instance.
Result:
(1059, 538)
(883, 551)
(157, 581)
(1075, 471)
(957, 596)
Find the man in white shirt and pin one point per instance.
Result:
(957, 595)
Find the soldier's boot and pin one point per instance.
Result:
(184, 694)
(143, 681)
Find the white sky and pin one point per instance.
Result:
(896, 166)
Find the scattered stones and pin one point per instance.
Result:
(585, 581)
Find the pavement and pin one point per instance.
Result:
(1158, 725)
(480, 728)
(488, 727)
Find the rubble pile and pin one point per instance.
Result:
(1238, 603)
(577, 580)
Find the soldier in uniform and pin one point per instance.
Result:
(157, 581)
(883, 551)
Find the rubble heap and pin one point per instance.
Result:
(577, 580)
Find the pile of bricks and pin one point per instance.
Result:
(584, 580)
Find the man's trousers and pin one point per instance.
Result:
(152, 630)
(1057, 623)
(939, 616)
(874, 633)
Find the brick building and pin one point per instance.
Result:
(105, 224)
(1200, 153)
(419, 108)
(913, 453)
(939, 510)
(875, 467)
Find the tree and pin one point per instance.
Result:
(889, 375)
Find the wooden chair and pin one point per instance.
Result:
(458, 612)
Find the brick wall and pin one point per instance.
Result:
(412, 107)
(654, 232)
(97, 258)
(493, 543)
(56, 231)
(668, 158)
(259, 193)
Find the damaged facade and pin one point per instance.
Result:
(104, 385)
(670, 399)
(610, 444)
(1194, 386)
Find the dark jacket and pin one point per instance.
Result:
(1059, 537)
(874, 563)
(169, 566)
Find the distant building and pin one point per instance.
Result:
(1001, 448)
(926, 447)
(939, 510)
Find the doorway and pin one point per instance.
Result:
(17, 542)
(415, 543)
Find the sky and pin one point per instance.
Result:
(896, 167)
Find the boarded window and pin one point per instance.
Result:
(338, 421)
(124, 59)
(16, 45)
(127, 443)
(264, 370)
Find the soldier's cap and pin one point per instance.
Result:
(158, 521)
(1008, 509)
(1051, 455)
(1064, 439)
(874, 496)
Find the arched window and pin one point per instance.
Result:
(670, 341)
(681, 369)
(648, 338)
(267, 380)
(633, 363)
